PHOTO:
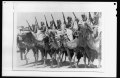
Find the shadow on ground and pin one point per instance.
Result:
(83, 66)
(48, 64)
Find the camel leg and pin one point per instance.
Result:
(70, 62)
(62, 57)
(59, 59)
(42, 55)
(85, 61)
(99, 61)
(44, 61)
(35, 51)
(65, 59)
(58, 64)
(89, 62)
(52, 61)
(45, 58)
(34, 56)
(55, 56)
(99, 65)
(86, 56)
(21, 55)
(37, 55)
(35, 59)
(69, 57)
(77, 63)
(99, 56)
(26, 51)
(74, 57)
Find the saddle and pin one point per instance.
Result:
(28, 44)
(40, 43)
(53, 45)
(40, 36)
(72, 44)
(94, 44)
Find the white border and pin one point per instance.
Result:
(108, 41)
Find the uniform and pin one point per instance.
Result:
(75, 26)
(69, 25)
(40, 33)
(69, 33)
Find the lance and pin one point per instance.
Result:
(54, 22)
(90, 18)
(46, 21)
(74, 15)
(36, 25)
(29, 26)
(64, 18)
(36, 22)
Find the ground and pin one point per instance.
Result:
(22, 63)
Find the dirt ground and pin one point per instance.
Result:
(65, 64)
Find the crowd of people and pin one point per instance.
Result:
(69, 29)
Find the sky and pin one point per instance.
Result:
(30, 17)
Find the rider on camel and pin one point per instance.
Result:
(59, 24)
(69, 27)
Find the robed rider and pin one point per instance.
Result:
(70, 22)
(69, 27)
(59, 24)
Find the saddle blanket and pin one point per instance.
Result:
(69, 34)
(72, 44)
(75, 26)
(94, 45)
(40, 37)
